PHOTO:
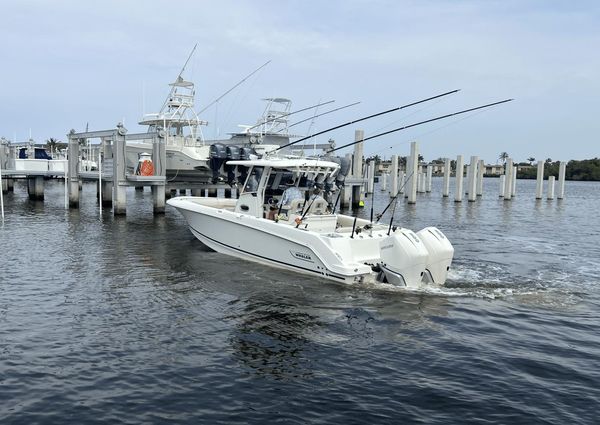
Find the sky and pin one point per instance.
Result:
(68, 64)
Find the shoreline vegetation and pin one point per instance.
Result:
(582, 170)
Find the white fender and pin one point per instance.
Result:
(440, 252)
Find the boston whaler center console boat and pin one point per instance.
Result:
(302, 232)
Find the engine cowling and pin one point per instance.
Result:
(440, 252)
(403, 258)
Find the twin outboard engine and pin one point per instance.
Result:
(218, 154)
(440, 256)
(407, 259)
(403, 258)
(233, 153)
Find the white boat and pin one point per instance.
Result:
(187, 154)
(304, 235)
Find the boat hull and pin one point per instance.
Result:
(266, 242)
(183, 162)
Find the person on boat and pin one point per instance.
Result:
(290, 193)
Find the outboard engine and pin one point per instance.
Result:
(440, 251)
(233, 153)
(403, 258)
(218, 154)
(344, 170)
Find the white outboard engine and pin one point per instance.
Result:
(403, 258)
(440, 251)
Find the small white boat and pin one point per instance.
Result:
(303, 233)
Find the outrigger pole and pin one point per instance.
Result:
(419, 123)
(364, 118)
(231, 89)
(287, 114)
(324, 113)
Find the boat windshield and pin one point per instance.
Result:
(253, 179)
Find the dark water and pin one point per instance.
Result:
(131, 320)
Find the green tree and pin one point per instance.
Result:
(531, 159)
(503, 157)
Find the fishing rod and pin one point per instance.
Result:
(287, 114)
(419, 123)
(364, 118)
(234, 87)
(395, 196)
(323, 113)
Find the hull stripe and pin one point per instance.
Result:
(266, 258)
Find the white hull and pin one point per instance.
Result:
(327, 253)
(182, 161)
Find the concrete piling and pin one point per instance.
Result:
(35, 188)
(447, 172)
(539, 182)
(472, 182)
(562, 170)
(384, 177)
(480, 172)
(508, 173)
(513, 181)
(357, 168)
(501, 184)
(414, 164)
(429, 178)
(551, 180)
(458, 192)
(394, 176)
(119, 181)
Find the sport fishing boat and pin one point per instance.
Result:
(285, 217)
(187, 154)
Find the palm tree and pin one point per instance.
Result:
(531, 159)
(503, 157)
(52, 145)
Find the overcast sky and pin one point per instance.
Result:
(68, 63)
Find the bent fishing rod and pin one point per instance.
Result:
(364, 118)
(419, 123)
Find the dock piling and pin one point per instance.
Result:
(414, 168)
(472, 182)
(447, 172)
(480, 172)
(562, 169)
(458, 193)
(539, 182)
(508, 174)
(551, 180)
